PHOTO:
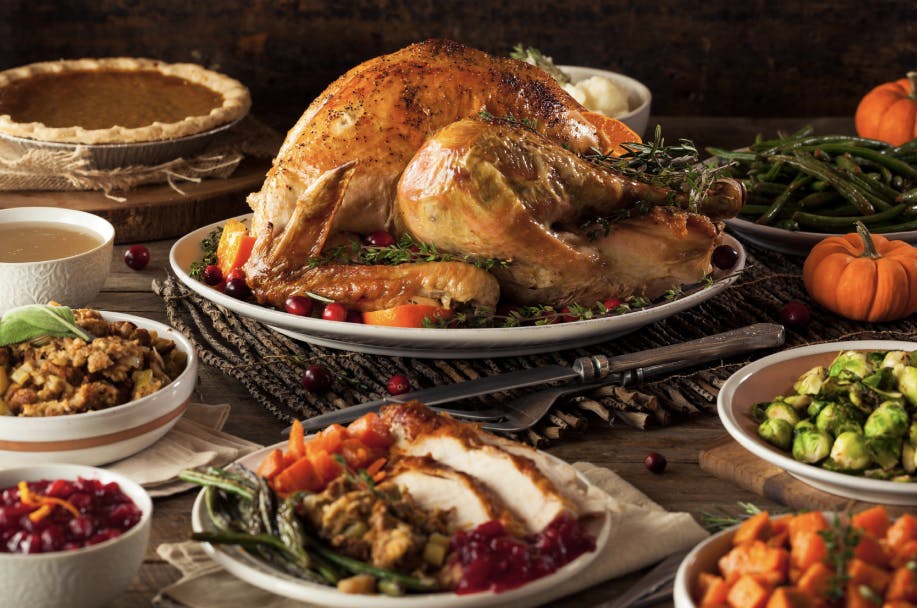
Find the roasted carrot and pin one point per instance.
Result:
(272, 464)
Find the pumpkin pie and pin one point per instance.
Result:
(116, 101)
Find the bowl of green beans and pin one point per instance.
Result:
(804, 187)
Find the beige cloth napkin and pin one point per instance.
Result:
(642, 534)
(196, 440)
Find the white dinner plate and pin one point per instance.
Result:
(792, 242)
(775, 375)
(261, 574)
(436, 342)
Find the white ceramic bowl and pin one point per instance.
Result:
(82, 578)
(775, 375)
(103, 436)
(639, 98)
(73, 281)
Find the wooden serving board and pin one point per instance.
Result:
(157, 211)
(729, 461)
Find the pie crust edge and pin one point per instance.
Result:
(236, 103)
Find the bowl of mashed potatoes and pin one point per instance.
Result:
(612, 94)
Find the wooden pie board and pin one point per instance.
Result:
(728, 460)
(158, 211)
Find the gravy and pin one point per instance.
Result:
(42, 241)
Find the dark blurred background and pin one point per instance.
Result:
(753, 58)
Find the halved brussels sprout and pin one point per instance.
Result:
(811, 446)
(810, 382)
(887, 420)
(782, 409)
(849, 453)
(907, 384)
(851, 364)
(777, 432)
(836, 417)
(885, 451)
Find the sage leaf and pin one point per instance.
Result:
(35, 320)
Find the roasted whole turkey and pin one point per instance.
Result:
(408, 143)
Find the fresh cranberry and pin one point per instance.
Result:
(137, 257)
(655, 462)
(725, 257)
(212, 275)
(235, 273)
(379, 238)
(300, 306)
(316, 379)
(794, 315)
(354, 316)
(398, 384)
(334, 312)
(237, 288)
(566, 315)
(611, 304)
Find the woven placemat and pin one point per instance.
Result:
(270, 365)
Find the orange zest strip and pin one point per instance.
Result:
(44, 503)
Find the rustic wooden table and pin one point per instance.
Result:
(682, 487)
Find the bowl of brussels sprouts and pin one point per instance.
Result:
(839, 416)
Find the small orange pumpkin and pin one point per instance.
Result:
(889, 111)
(863, 277)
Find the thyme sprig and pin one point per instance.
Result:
(528, 123)
(406, 250)
(209, 248)
(722, 518)
(841, 539)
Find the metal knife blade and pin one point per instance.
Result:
(586, 369)
(660, 576)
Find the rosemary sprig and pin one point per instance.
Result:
(537, 58)
(722, 518)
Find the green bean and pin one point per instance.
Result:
(357, 567)
(885, 160)
(907, 197)
(223, 482)
(755, 210)
(822, 171)
(824, 221)
(768, 216)
(817, 200)
(291, 534)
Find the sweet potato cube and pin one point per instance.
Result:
(756, 527)
(873, 521)
(748, 592)
(862, 573)
(816, 580)
(789, 597)
(904, 529)
(870, 550)
(903, 585)
(810, 521)
(715, 595)
(755, 557)
(808, 548)
(904, 553)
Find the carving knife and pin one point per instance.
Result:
(585, 369)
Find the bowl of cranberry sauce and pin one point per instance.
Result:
(70, 535)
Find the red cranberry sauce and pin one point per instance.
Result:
(491, 559)
(65, 515)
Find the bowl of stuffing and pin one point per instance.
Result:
(71, 535)
(88, 387)
(51, 254)
(612, 94)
